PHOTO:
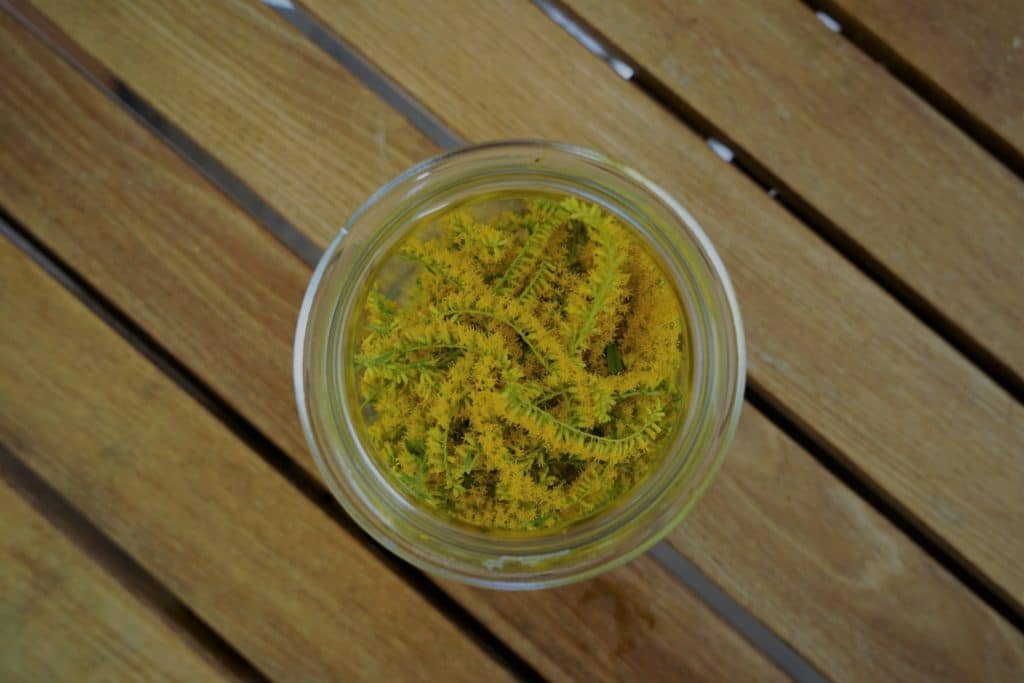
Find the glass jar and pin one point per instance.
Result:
(325, 379)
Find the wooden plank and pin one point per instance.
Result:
(853, 641)
(203, 514)
(974, 51)
(266, 94)
(828, 345)
(922, 199)
(63, 618)
(131, 200)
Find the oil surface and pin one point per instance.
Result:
(522, 362)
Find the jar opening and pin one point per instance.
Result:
(521, 361)
(328, 386)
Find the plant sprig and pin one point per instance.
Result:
(532, 369)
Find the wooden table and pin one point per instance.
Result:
(169, 171)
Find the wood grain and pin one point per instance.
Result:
(260, 563)
(63, 618)
(830, 347)
(230, 76)
(131, 200)
(974, 51)
(778, 516)
(831, 576)
(233, 280)
(622, 626)
(920, 197)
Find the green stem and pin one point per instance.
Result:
(640, 392)
(529, 252)
(552, 394)
(444, 453)
(504, 321)
(542, 271)
(609, 444)
(386, 358)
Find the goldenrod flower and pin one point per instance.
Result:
(528, 375)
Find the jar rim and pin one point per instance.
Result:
(506, 561)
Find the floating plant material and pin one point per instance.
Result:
(530, 372)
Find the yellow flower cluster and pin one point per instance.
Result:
(524, 379)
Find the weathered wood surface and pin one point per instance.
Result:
(256, 94)
(973, 51)
(797, 617)
(63, 618)
(107, 185)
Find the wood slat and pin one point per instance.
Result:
(974, 51)
(830, 347)
(852, 642)
(203, 514)
(63, 618)
(77, 160)
(922, 199)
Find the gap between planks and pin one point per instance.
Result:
(743, 161)
(260, 444)
(731, 612)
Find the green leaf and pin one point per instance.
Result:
(613, 358)
(577, 238)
